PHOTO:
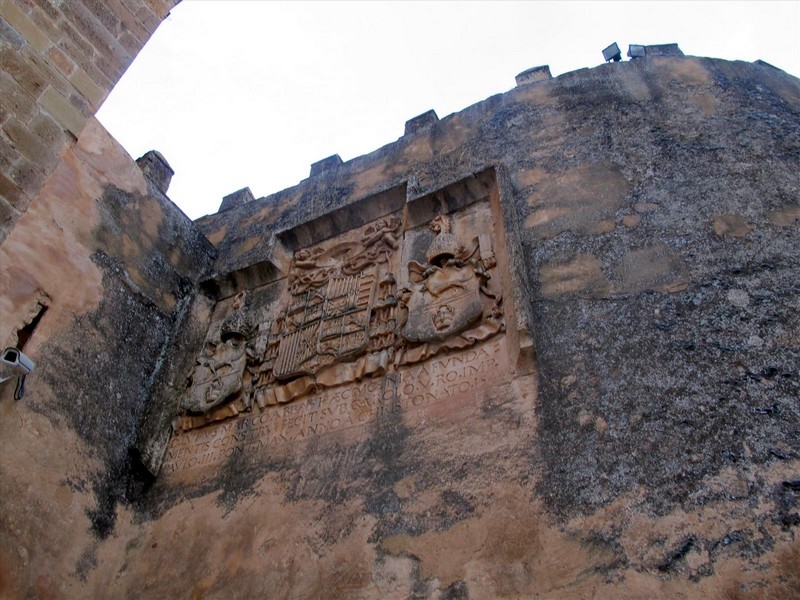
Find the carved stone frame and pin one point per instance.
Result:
(491, 185)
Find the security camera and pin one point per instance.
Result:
(17, 361)
(13, 361)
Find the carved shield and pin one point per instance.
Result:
(216, 378)
(325, 324)
(443, 304)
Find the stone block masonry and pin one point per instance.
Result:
(60, 60)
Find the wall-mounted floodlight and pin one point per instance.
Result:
(636, 51)
(612, 53)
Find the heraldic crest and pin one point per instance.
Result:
(343, 318)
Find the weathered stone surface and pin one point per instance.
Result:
(732, 225)
(583, 199)
(653, 267)
(156, 168)
(663, 50)
(632, 433)
(581, 274)
(236, 198)
(637, 51)
(533, 75)
(426, 119)
(113, 262)
(325, 164)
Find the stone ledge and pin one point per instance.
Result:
(156, 168)
(326, 164)
(641, 51)
(237, 198)
(534, 74)
(420, 122)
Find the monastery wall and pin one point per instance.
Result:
(543, 347)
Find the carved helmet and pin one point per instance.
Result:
(236, 325)
(445, 245)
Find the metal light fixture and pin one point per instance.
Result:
(636, 51)
(612, 53)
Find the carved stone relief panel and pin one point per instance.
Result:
(389, 301)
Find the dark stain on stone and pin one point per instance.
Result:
(677, 554)
(86, 562)
(456, 591)
(107, 412)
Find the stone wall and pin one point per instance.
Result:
(621, 420)
(110, 266)
(657, 456)
(60, 61)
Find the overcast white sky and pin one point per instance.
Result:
(251, 93)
